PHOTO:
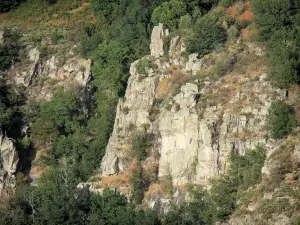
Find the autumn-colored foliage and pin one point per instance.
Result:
(245, 14)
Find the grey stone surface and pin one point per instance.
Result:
(1, 37)
(157, 44)
(67, 72)
(8, 163)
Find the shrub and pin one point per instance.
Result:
(208, 36)
(143, 65)
(278, 22)
(167, 41)
(137, 184)
(243, 172)
(140, 143)
(226, 3)
(169, 13)
(51, 2)
(233, 33)
(224, 66)
(44, 131)
(284, 65)
(9, 50)
(56, 37)
(281, 119)
(273, 15)
(7, 5)
(153, 113)
(125, 110)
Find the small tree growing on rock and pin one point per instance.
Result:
(281, 119)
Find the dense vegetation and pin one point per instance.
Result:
(75, 140)
(278, 26)
(9, 49)
(57, 201)
(217, 204)
(64, 204)
(281, 119)
(208, 35)
(12, 97)
(6, 5)
(11, 100)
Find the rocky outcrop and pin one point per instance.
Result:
(43, 68)
(157, 43)
(196, 122)
(275, 199)
(8, 163)
(65, 69)
(1, 37)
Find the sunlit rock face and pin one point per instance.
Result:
(8, 163)
(195, 125)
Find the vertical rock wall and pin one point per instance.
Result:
(195, 128)
(8, 163)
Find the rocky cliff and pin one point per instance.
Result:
(276, 199)
(42, 72)
(196, 119)
(43, 67)
(8, 163)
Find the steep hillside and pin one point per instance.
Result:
(149, 112)
(193, 112)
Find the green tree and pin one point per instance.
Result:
(281, 119)
(202, 4)
(7, 5)
(284, 59)
(112, 208)
(57, 200)
(9, 50)
(169, 13)
(110, 67)
(51, 2)
(137, 184)
(92, 35)
(11, 117)
(62, 110)
(208, 35)
(223, 196)
(140, 143)
(244, 171)
(199, 210)
(44, 131)
(278, 26)
(104, 7)
(14, 211)
(272, 15)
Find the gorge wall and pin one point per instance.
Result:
(196, 121)
(41, 72)
(8, 164)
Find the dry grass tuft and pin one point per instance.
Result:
(167, 86)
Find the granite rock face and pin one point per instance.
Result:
(1, 37)
(44, 68)
(8, 163)
(195, 126)
(157, 44)
(41, 73)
